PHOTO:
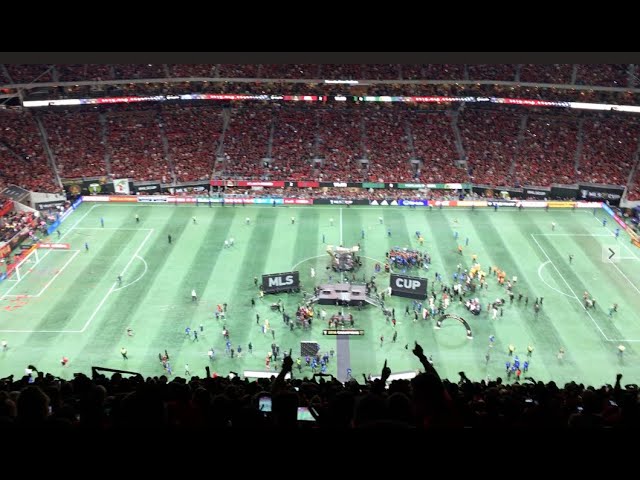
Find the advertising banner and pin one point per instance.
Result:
(620, 222)
(192, 188)
(449, 186)
(147, 188)
(152, 199)
(536, 192)
(95, 198)
(413, 203)
(499, 192)
(340, 185)
(443, 203)
(472, 203)
(233, 200)
(589, 204)
(606, 208)
(409, 287)
(308, 184)
(298, 201)
(123, 198)
(532, 204)
(6, 207)
(608, 194)
(501, 203)
(560, 204)
(121, 186)
(54, 246)
(373, 185)
(245, 183)
(280, 282)
(98, 186)
(47, 205)
(53, 227)
(340, 201)
(207, 200)
(564, 192)
(267, 201)
(174, 200)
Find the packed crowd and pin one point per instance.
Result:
(634, 189)
(611, 75)
(547, 152)
(13, 222)
(425, 402)
(608, 148)
(490, 139)
(506, 146)
(23, 160)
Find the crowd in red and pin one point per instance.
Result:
(634, 188)
(12, 223)
(329, 142)
(135, 145)
(610, 75)
(358, 143)
(22, 158)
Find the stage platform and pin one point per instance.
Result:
(341, 294)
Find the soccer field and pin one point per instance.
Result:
(70, 303)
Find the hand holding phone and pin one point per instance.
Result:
(304, 415)
(264, 404)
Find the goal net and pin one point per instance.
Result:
(22, 265)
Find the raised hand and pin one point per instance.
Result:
(386, 371)
(287, 363)
(417, 350)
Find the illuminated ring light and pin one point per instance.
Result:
(456, 317)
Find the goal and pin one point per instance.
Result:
(16, 271)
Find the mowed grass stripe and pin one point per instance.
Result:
(441, 232)
(547, 339)
(169, 328)
(69, 301)
(578, 286)
(362, 350)
(252, 263)
(120, 310)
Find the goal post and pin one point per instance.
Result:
(17, 269)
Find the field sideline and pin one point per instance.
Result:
(71, 303)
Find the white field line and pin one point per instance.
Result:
(47, 253)
(115, 228)
(545, 282)
(341, 226)
(104, 299)
(146, 267)
(569, 287)
(611, 234)
(58, 273)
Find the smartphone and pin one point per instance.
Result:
(264, 404)
(304, 415)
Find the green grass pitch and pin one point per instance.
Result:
(70, 304)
